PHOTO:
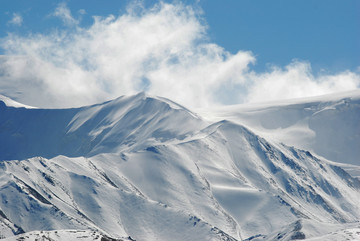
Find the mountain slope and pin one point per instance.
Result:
(326, 125)
(148, 168)
(264, 186)
(121, 124)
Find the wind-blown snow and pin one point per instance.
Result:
(146, 168)
(327, 125)
(12, 103)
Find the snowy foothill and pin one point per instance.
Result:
(145, 168)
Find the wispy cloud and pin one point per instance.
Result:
(64, 13)
(82, 11)
(163, 50)
(296, 80)
(16, 19)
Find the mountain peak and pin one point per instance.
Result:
(12, 103)
(144, 166)
(120, 124)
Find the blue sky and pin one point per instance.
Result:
(254, 42)
(324, 32)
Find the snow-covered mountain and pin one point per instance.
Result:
(146, 168)
(326, 125)
(127, 123)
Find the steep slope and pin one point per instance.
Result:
(148, 168)
(78, 193)
(265, 186)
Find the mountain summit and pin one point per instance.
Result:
(121, 124)
(146, 168)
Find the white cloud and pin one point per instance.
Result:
(163, 50)
(297, 81)
(16, 19)
(63, 12)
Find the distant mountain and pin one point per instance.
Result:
(327, 125)
(146, 168)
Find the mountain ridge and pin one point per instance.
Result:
(326, 125)
(148, 168)
(78, 131)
